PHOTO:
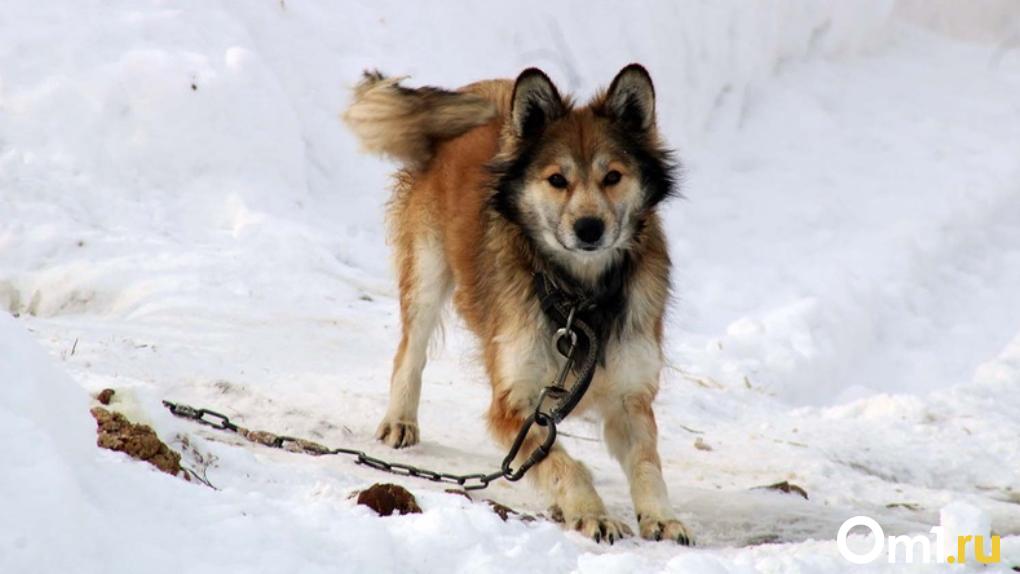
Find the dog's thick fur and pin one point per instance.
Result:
(503, 179)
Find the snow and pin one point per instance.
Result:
(960, 519)
(182, 216)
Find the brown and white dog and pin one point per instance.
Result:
(505, 179)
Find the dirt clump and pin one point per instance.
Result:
(137, 441)
(501, 510)
(787, 487)
(505, 512)
(386, 499)
(105, 396)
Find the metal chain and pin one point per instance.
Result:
(564, 402)
(476, 481)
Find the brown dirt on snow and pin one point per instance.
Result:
(505, 512)
(137, 441)
(787, 487)
(105, 396)
(386, 499)
(501, 510)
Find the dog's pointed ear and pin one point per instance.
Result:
(534, 104)
(631, 98)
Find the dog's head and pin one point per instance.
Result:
(582, 181)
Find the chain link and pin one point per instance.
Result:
(473, 481)
(563, 399)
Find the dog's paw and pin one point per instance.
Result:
(665, 529)
(599, 528)
(398, 434)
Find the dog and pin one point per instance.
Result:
(502, 180)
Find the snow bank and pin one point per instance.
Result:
(199, 123)
(889, 263)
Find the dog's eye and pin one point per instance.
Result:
(558, 181)
(612, 178)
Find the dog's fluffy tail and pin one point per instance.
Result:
(407, 123)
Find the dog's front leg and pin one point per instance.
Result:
(632, 437)
(519, 369)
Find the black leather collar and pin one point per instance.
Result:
(601, 308)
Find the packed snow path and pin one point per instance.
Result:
(182, 216)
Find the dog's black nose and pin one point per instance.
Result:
(589, 230)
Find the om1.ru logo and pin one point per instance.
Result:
(943, 551)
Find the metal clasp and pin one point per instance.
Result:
(554, 392)
(538, 455)
(565, 331)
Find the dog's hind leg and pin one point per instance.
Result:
(425, 285)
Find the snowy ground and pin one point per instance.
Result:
(182, 216)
